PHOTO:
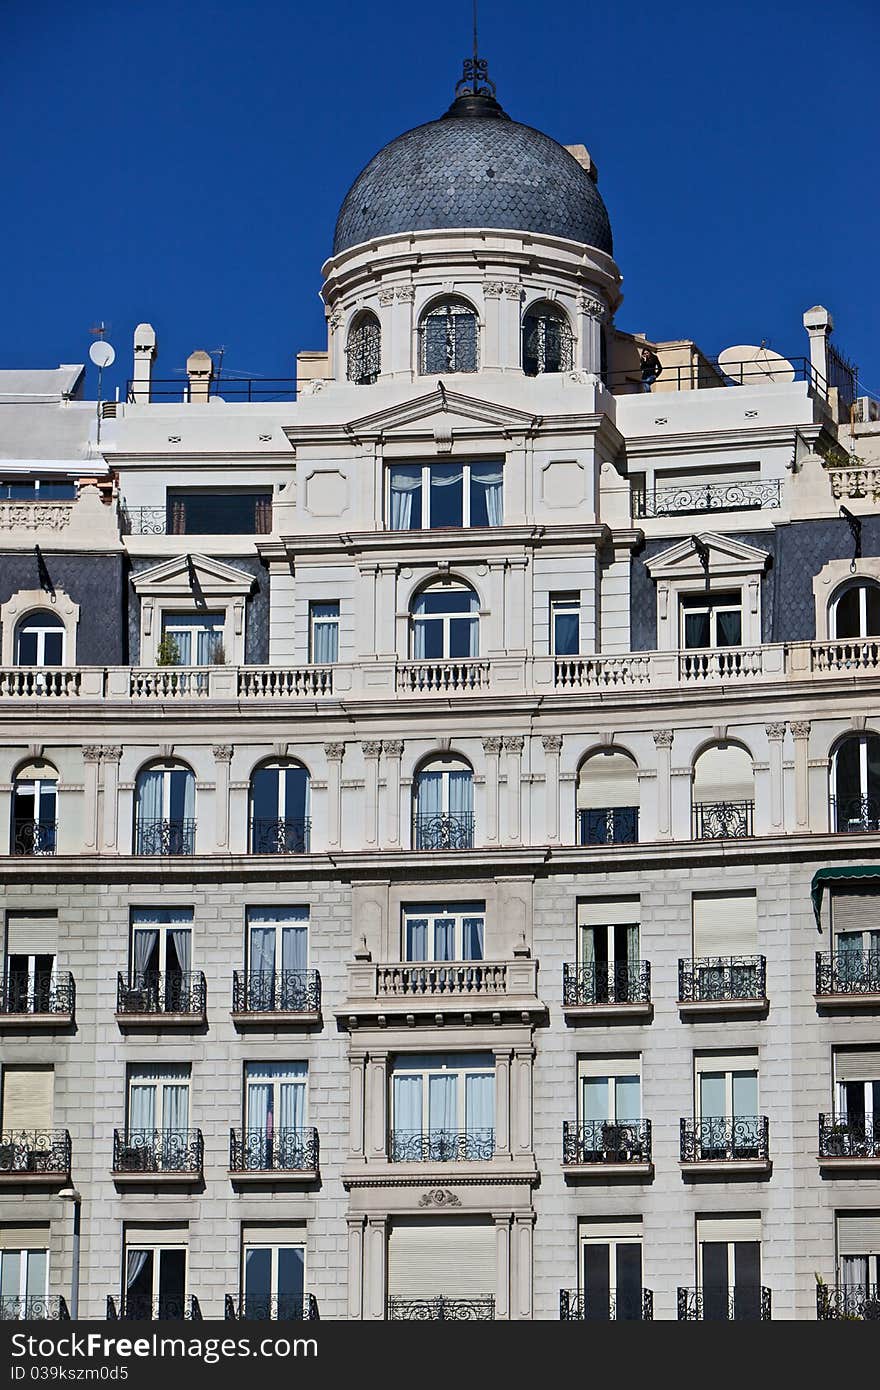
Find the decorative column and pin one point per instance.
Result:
(357, 1095)
(222, 759)
(523, 1226)
(393, 750)
(367, 632)
(492, 748)
(405, 358)
(517, 617)
(775, 735)
(334, 753)
(386, 609)
(91, 758)
(371, 750)
(591, 312)
(502, 1265)
(663, 743)
(495, 621)
(521, 1100)
(502, 1101)
(376, 1126)
(552, 749)
(513, 748)
(110, 756)
(801, 733)
(355, 1267)
(375, 1275)
(490, 348)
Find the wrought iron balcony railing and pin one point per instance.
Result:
(276, 1307)
(21, 993)
(34, 836)
(848, 972)
(713, 979)
(606, 1141)
(740, 1304)
(723, 820)
(158, 1151)
(443, 832)
(575, 1306)
(142, 1308)
(440, 1145)
(153, 993)
(273, 1151)
(35, 1151)
(691, 498)
(165, 836)
(606, 982)
(725, 1139)
(280, 836)
(276, 991)
(848, 1302)
(442, 1309)
(855, 815)
(51, 1308)
(840, 1137)
(608, 825)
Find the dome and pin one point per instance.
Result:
(474, 167)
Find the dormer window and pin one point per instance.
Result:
(449, 337)
(428, 497)
(548, 343)
(363, 351)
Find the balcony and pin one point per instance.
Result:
(167, 1157)
(280, 1155)
(612, 825)
(33, 1308)
(39, 682)
(608, 989)
(276, 1307)
(723, 1146)
(722, 984)
(607, 1149)
(165, 1308)
(277, 683)
(37, 1001)
(165, 837)
(34, 836)
(442, 677)
(847, 1302)
(441, 1309)
(276, 996)
(848, 979)
(691, 499)
(161, 1000)
(855, 815)
(441, 1146)
(443, 831)
(279, 836)
(849, 1144)
(422, 991)
(201, 514)
(723, 820)
(725, 1305)
(34, 1158)
(575, 1306)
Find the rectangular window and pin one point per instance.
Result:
(273, 1277)
(154, 1273)
(197, 637)
(611, 1270)
(323, 633)
(440, 495)
(158, 1098)
(38, 490)
(711, 620)
(725, 945)
(161, 943)
(443, 1107)
(610, 1109)
(729, 1268)
(442, 1267)
(27, 1098)
(726, 1106)
(565, 624)
(275, 1097)
(858, 1260)
(608, 949)
(24, 1273)
(31, 949)
(218, 513)
(857, 1090)
(434, 932)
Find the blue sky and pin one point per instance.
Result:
(185, 164)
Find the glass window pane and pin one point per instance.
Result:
(729, 629)
(447, 495)
(696, 630)
(291, 1263)
(405, 497)
(595, 1098)
(566, 634)
(27, 649)
(848, 613)
(257, 1274)
(627, 1098)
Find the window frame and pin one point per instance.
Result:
(424, 490)
(451, 307)
(173, 623)
(23, 1294)
(457, 913)
(366, 318)
(611, 1242)
(724, 601)
(438, 1065)
(861, 584)
(40, 622)
(274, 1247)
(565, 603)
(542, 311)
(160, 1085)
(162, 930)
(445, 620)
(329, 621)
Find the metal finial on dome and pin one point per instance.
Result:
(475, 90)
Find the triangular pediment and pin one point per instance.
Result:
(186, 573)
(434, 411)
(726, 555)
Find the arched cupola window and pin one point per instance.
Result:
(280, 811)
(35, 809)
(39, 640)
(443, 804)
(723, 793)
(855, 611)
(548, 342)
(363, 351)
(449, 335)
(165, 807)
(444, 622)
(855, 784)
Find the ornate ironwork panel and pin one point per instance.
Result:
(51, 1308)
(607, 982)
(273, 1151)
(709, 497)
(158, 1151)
(442, 1309)
(34, 836)
(276, 991)
(149, 992)
(849, 1302)
(440, 1145)
(575, 1306)
(42, 993)
(165, 837)
(283, 1307)
(137, 1308)
(848, 972)
(143, 521)
(855, 815)
(611, 825)
(363, 351)
(708, 979)
(723, 820)
(449, 335)
(840, 1137)
(606, 1141)
(548, 343)
(280, 836)
(740, 1304)
(443, 831)
(35, 1151)
(719, 1138)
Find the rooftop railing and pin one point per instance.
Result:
(220, 388)
(708, 374)
(691, 499)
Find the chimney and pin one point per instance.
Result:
(584, 159)
(145, 354)
(820, 325)
(199, 369)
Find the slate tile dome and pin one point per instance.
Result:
(474, 167)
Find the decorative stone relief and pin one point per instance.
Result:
(439, 1197)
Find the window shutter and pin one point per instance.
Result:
(427, 1259)
(608, 779)
(729, 1228)
(725, 924)
(30, 934)
(24, 1237)
(724, 774)
(27, 1097)
(861, 1065)
(601, 912)
(725, 1061)
(855, 909)
(254, 1233)
(158, 1234)
(612, 1228)
(859, 1234)
(611, 1066)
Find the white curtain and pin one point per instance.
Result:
(176, 1107)
(189, 796)
(473, 929)
(429, 792)
(134, 1264)
(588, 946)
(419, 633)
(490, 479)
(417, 938)
(142, 1107)
(632, 945)
(444, 938)
(461, 793)
(293, 1104)
(442, 1104)
(259, 1096)
(145, 943)
(149, 796)
(294, 948)
(262, 955)
(479, 1103)
(404, 482)
(406, 1103)
(325, 637)
(182, 939)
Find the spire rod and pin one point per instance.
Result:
(476, 45)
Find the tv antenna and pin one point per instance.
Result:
(102, 355)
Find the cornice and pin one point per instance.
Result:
(707, 441)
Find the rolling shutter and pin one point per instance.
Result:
(27, 1097)
(855, 909)
(724, 774)
(608, 779)
(430, 1258)
(24, 1237)
(725, 924)
(860, 1065)
(32, 934)
(601, 912)
(859, 1234)
(731, 1228)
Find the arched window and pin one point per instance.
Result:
(449, 337)
(443, 805)
(855, 784)
(855, 611)
(444, 622)
(165, 807)
(39, 640)
(279, 812)
(35, 809)
(548, 343)
(723, 793)
(363, 351)
(608, 799)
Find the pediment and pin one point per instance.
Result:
(434, 412)
(185, 574)
(726, 555)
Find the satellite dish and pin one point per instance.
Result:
(752, 365)
(102, 354)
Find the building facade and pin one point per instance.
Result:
(440, 808)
